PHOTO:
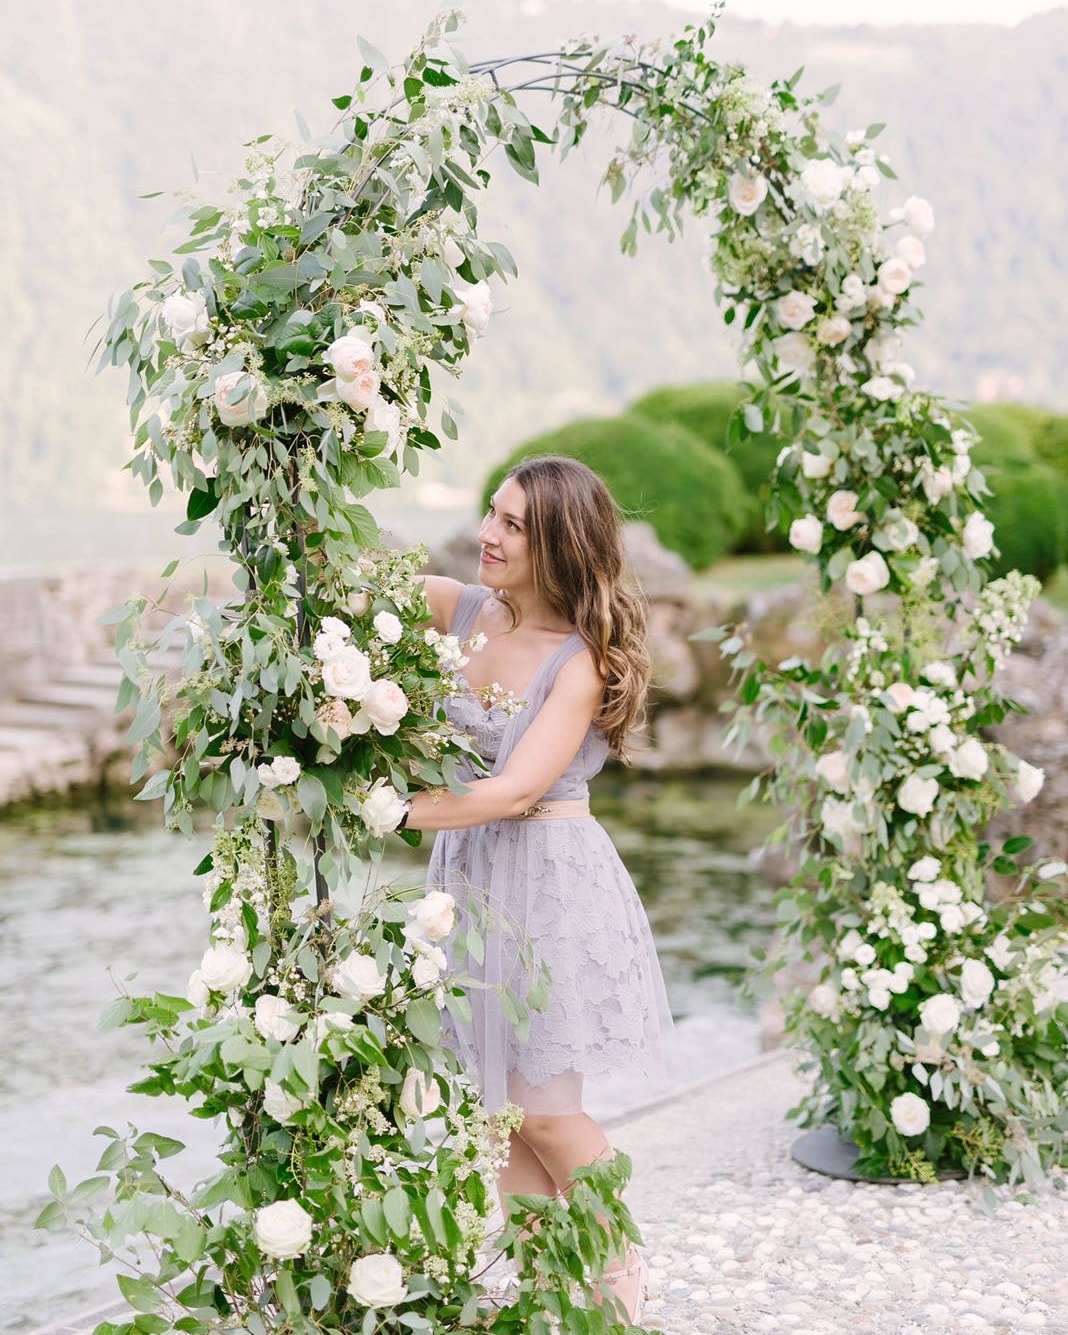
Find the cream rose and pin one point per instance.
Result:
(273, 1018)
(833, 769)
(476, 306)
(357, 976)
(853, 295)
(925, 869)
(377, 1280)
(358, 602)
(419, 1097)
(806, 534)
(1029, 781)
(795, 309)
(239, 398)
(815, 466)
(834, 329)
(359, 392)
(823, 181)
(868, 575)
(978, 536)
(433, 917)
(917, 215)
(347, 674)
(186, 316)
(350, 356)
(912, 250)
(976, 983)
(910, 1114)
(842, 512)
(794, 352)
(917, 795)
(381, 809)
(223, 968)
(333, 636)
(196, 991)
(940, 1014)
(824, 1000)
(838, 819)
(382, 707)
(385, 416)
(969, 760)
(283, 1230)
(745, 194)
(898, 695)
(279, 772)
(336, 716)
(388, 627)
(426, 971)
(894, 276)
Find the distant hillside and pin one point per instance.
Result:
(101, 103)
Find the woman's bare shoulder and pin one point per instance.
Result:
(442, 595)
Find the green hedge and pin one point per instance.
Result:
(692, 495)
(706, 410)
(1023, 454)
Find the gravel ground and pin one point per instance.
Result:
(740, 1238)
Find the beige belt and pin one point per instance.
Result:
(567, 810)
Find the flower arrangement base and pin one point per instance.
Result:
(826, 1151)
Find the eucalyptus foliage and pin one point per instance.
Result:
(280, 374)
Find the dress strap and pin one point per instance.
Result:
(472, 596)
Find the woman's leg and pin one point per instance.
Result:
(524, 1174)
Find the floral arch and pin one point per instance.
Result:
(280, 375)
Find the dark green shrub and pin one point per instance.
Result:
(692, 495)
(1029, 504)
(706, 410)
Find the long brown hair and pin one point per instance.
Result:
(578, 561)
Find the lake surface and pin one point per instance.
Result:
(101, 894)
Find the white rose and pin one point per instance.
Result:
(794, 352)
(815, 466)
(941, 739)
(286, 770)
(283, 1230)
(272, 1018)
(358, 602)
(431, 918)
(279, 1104)
(879, 997)
(359, 392)
(381, 809)
(969, 760)
(807, 244)
(196, 991)
(745, 194)
(383, 705)
(853, 295)
(333, 636)
(331, 1022)
(951, 919)
(388, 627)
(898, 695)
(925, 870)
(824, 1000)
(917, 215)
(883, 350)
(941, 674)
(1049, 871)
(347, 674)
(936, 482)
(419, 1097)
(1029, 781)
(868, 575)
(239, 398)
(896, 533)
(377, 1280)
(824, 181)
(451, 253)
(350, 356)
(269, 806)
(385, 416)
(978, 536)
(806, 534)
(357, 976)
(910, 1114)
(223, 968)
(834, 329)
(476, 306)
(186, 316)
(837, 818)
(883, 389)
(894, 276)
(833, 769)
(976, 983)
(841, 510)
(848, 944)
(795, 309)
(864, 954)
(917, 795)
(911, 249)
(1001, 953)
(425, 972)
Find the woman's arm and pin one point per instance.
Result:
(544, 752)
(442, 595)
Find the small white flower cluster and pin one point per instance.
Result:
(1001, 614)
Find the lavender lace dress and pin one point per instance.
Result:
(559, 886)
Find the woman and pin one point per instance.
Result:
(565, 637)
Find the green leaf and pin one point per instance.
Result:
(202, 501)
(398, 1212)
(1017, 844)
(57, 1182)
(313, 799)
(423, 1020)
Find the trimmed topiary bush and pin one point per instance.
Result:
(707, 410)
(693, 496)
(1029, 505)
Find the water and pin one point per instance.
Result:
(94, 899)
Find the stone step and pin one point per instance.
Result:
(106, 676)
(25, 739)
(70, 697)
(50, 717)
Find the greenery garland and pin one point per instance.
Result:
(285, 371)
